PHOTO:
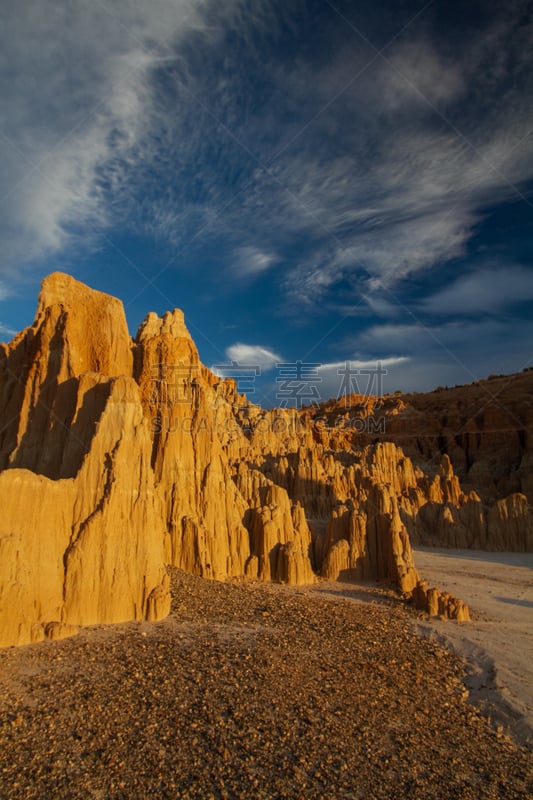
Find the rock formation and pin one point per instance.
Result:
(437, 603)
(81, 530)
(119, 456)
(473, 445)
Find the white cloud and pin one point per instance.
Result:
(414, 205)
(403, 189)
(418, 69)
(356, 376)
(77, 113)
(450, 352)
(487, 290)
(5, 292)
(358, 364)
(250, 262)
(253, 354)
(377, 185)
(6, 332)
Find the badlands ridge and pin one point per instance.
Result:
(119, 456)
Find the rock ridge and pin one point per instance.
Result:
(119, 456)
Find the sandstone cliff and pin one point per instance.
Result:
(118, 456)
(81, 531)
(474, 446)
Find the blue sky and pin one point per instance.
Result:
(315, 181)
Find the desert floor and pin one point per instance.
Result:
(498, 643)
(252, 691)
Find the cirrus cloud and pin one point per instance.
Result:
(253, 354)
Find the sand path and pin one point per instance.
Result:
(498, 643)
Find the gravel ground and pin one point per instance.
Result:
(250, 691)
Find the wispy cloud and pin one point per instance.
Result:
(449, 352)
(249, 262)
(4, 291)
(6, 332)
(414, 205)
(356, 376)
(253, 354)
(78, 114)
(424, 144)
(140, 116)
(421, 70)
(487, 290)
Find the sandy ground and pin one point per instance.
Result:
(251, 691)
(498, 643)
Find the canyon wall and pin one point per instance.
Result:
(119, 456)
(474, 446)
(77, 487)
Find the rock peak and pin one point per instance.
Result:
(88, 328)
(58, 288)
(171, 323)
(118, 458)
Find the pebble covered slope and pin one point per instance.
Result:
(249, 691)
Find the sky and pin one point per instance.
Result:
(343, 188)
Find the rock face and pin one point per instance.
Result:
(472, 443)
(118, 456)
(81, 530)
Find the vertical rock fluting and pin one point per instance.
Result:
(437, 603)
(510, 521)
(281, 545)
(81, 537)
(360, 504)
(204, 511)
(76, 331)
(119, 456)
(87, 549)
(483, 429)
